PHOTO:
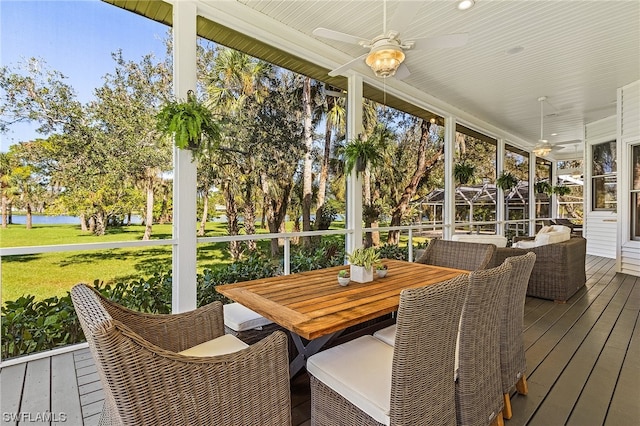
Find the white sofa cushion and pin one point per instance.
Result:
(240, 318)
(222, 345)
(497, 240)
(546, 235)
(360, 371)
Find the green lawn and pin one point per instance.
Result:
(57, 272)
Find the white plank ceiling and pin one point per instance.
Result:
(576, 53)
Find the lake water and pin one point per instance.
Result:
(20, 219)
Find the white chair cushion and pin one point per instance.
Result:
(497, 240)
(360, 371)
(388, 336)
(222, 345)
(240, 318)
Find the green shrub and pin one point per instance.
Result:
(324, 255)
(31, 326)
(393, 251)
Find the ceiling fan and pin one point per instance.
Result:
(387, 50)
(543, 147)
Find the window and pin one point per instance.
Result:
(516, 202)
(603, 176)
(635, 192)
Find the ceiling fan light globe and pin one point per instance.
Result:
(543, 148)
(385, 60)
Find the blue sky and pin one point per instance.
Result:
(75, 38)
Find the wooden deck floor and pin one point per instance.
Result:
(583, 360)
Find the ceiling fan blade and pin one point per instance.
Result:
(571, 142)
(402, 72)
(442, 42)
(405, 12)
(337, 35)
(349, 65)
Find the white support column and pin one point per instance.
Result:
(553, 199)
(501, 214)
(532, 193)
(449, 214)
(354, 180)
(185, 171)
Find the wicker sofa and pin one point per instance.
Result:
(559, 271)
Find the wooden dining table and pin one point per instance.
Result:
(313, 306)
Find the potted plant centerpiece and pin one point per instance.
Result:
(362, 260)
(191, 123)
(343, 277)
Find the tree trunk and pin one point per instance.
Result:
(4, 210)
(29, 218)
(276, 210)
(83, 223)
(422, 165)
(249, 215)
(10, 213)
(100, 225)
(164, 207)
(307, 178)
(149, 211)
(232, 218)
(324, 173)
(205, 213)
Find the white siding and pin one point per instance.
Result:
(630, 112)
(628, 135)
(600, 227)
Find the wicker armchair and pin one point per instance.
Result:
(367, 382)
(147, 381)
(479, 399)
(512, 356)
(458, 254)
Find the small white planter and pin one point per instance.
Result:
(343, 281)
(361, 275)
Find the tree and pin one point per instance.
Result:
(307, 176)
(429, 151)
(124, 110)
(335, 115)
(236, 85)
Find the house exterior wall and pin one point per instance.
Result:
(628, 128)
(600, 227)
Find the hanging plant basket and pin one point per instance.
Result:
(542, 187)
(506, 181)
(561, 190)
(463, 172)
(191, 123)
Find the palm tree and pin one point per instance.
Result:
(236, 81)
(335, 113)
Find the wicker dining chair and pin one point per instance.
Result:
(458, 254)
(147, 381)
(479, 399)
(512, 356)
(367, 382)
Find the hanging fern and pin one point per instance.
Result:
(506, 181)
(191, 123)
